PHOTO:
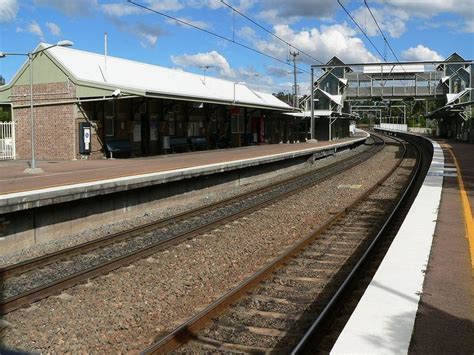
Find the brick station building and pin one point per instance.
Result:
(145, 109)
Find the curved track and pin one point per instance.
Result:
(41, 277)
(273, 311)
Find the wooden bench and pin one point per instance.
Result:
(198, 143)
(117, 145)
(180, 144)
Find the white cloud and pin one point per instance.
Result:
(71, 8)
(53, 28)
(121, 9)
(148, 34)
(213, 59)
(392, 21)
(432, 8)
(196, 23)
(242, 5)
(246, 33)
(285, 12)
(8, 10)
(35, 28)
(165, 5)
(212, 4)
(334, 40)
(125, 9)
(278, 72)
(420, 53)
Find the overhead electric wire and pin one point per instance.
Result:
(381, 32)
(212, 33)
(385, 39)
(270, 32)
(360, 28)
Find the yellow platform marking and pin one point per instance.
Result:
(468, 220)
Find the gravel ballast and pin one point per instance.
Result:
(126, 309)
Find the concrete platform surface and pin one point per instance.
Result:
(445, 319)
(421, 299)
(383, 320)
(86, 177)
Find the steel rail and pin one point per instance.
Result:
(12, 303)
(187, 330)
(343, 287)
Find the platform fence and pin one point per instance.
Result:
(7, 141)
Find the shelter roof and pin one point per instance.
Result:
(317, 113)
(335, 98)
(139, 78)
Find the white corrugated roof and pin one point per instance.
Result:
(335, 98)
(343, 80)
(136, 76)
(453, 97)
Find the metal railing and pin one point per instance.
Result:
(7, 141)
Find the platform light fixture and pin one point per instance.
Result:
(64, 43)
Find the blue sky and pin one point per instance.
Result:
(416, 30)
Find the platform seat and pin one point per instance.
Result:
(179, 144)
(118, 146)
(198, 143)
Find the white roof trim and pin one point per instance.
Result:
(453, 97)
(317, 113)
(134, 76)
(335, 98)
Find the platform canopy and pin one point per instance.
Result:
(93, 72)
(317, 113)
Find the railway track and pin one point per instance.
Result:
(275, 309)
(325, 331)
(32, 280)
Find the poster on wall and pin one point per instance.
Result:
(153, 131)
(137, 132)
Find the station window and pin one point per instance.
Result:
(170, 118)
(237, 123)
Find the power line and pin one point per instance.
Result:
(269, 32)
(360, 28)
(212, 33)
(381, 32)
(385, 39)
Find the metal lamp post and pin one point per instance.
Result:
(33, 169)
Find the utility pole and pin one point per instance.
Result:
(295, 98)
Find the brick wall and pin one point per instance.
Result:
(83, 113)
(54, 123)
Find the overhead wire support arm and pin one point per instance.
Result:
(210, 33)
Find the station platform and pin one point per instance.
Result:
(421, 299)
(64, 181)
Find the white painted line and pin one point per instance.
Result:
(383, 321)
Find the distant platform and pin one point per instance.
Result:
(70, 180)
